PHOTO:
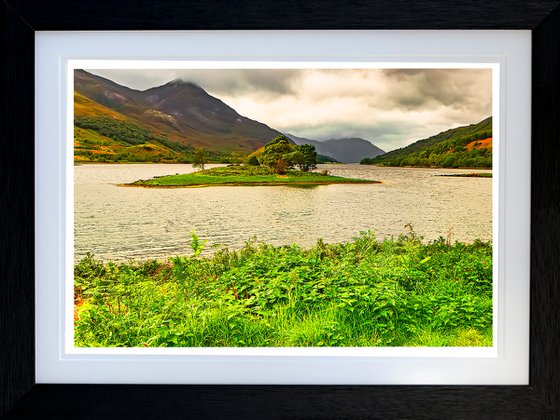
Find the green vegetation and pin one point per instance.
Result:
(465, 147)
(253, 161)
(471, 175)
(305, 157)
(90, 146)
(246, 175)
(366, 292)
(200, 158)
(121, 146)
(123, 131)
(281, 154)
(326, 159)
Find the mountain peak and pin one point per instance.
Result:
(180, 82)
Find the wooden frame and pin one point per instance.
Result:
(22, 398)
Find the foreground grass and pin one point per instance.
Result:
(246, 175)
(362, 293)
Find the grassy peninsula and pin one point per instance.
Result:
(246, 175)
(366, 292)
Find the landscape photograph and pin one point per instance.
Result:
(285, 207)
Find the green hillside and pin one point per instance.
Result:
(102, 134)
(463, 147)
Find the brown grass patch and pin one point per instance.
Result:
(480, 144)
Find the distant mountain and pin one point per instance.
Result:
(347, 150)
(182, 112)
(466, 146)
(352, 149)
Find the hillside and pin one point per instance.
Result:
(466, 147)
(347, 150)
(102, 134)
(178, 116)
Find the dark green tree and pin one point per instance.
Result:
(277, 154)
(305, 157)
(200, 158)
(253, 161)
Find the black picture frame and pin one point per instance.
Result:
(20, 397)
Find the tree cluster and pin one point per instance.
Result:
(281, 155)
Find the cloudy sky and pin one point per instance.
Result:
(389, 107)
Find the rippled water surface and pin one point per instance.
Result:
(119, 223)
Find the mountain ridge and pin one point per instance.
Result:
(346, 149)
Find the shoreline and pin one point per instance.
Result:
(248, 184)
(237, 175)
(424, 167)
(469, 175)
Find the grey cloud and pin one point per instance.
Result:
(234, 81)
(277, 81)
(401, 74)
(459, 88)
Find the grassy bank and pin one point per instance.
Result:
(246, 175)
(365, 292)
(471, 175)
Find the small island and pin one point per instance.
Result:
(236, 175)
(273, 165)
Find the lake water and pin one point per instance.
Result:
(119, 223)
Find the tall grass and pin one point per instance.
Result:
(399, 292)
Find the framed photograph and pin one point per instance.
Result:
(305, 243)
(435, 300)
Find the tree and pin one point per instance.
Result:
(277, 154)
(200, 158)
(305, 157)
(253, 161)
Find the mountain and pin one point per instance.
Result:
(206, 119)
(347, 150)
(352, 149)
(176, 115)
(466, 146)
